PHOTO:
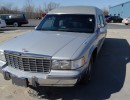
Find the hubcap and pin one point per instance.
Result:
(15, 24)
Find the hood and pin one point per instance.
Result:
(49, 43)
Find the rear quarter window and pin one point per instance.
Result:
(4, 17)
(101, 20)
(17, 16)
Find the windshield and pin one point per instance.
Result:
(68, 23)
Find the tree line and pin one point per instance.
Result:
(32, 11)
(29, 9)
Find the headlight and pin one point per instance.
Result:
(2, 56)
(63, 64)
(58, 64)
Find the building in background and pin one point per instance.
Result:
(122, 10)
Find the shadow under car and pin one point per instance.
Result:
(108, 75)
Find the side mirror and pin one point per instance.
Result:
(102, 25)
(99, 26)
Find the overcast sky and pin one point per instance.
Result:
(98, 3)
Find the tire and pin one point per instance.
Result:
(88, 74)
(6, 76)
(126, 24)
(15, 24)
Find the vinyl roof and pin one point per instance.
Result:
(74, 10)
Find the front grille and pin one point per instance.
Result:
(28, 62)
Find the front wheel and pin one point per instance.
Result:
(15, 24)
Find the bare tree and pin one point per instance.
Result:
(50, 6)
(16, 9)
(8, 8)
(38, 12)
(105, 11)
(28, 8)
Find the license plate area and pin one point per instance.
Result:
(20, 81)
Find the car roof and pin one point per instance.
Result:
(75, 10)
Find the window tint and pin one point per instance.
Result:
(69, 23)
(102, 21)
(99, 22)
(17, 16)
(4, 17)
(48, 23)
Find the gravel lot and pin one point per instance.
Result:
(111, 77)
(30, 26)
(6, 35)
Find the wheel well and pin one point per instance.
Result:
(94, 54)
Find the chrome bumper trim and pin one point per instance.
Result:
(55, 78)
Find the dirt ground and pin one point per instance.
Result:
(6, 35)
(106, 84)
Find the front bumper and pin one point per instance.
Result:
(54, 78)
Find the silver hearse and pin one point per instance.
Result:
(60, 52)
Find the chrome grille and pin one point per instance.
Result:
(28, 62)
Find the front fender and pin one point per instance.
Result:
(91, 52)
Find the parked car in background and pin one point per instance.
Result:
(14, 19)
(60, 52)
(38, 18)
(2, 23)
(107, 18)
(126, 21)
(114, 19)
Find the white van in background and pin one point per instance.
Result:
(2, 23)
(126, 21)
